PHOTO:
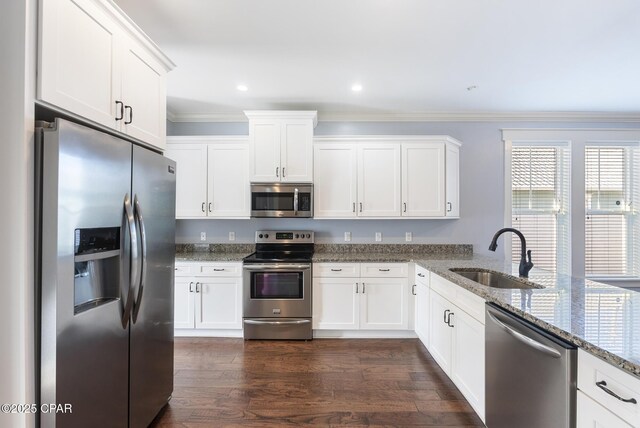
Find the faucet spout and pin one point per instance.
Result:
(525, 265)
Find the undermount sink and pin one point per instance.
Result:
(493, 279)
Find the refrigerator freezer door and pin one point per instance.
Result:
(84, 275)
(151, 344)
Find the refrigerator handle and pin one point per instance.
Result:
(133, 273)
(137, 212)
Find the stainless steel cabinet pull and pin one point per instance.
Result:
(130, 114)
(421, 275)
(449, 207)
(209, 206)
(283, 172)
(357, 288)
(121, 110)
(191, 287)
(336, 270)
(603, 386)
(277, 171)
(360, 206)
(449, 319)
(203, 204)
(444, 319)
(413, 289)
(363, 288)
(197, 287)
(405, 207)
(384, 270)
(354, 207)
(218, 270)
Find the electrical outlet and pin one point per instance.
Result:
(232, 236)
(408, 237)
(378, 236)
(203, 236)
(347, 236)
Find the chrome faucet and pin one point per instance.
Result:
(525, 266)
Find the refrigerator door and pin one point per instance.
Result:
(151, 344)
(84, 180)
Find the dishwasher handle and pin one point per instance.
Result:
(526, 340)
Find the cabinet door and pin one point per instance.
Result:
(264, 151)
(422, 312)
(183, 302)
(336, 303)
(144, 95)
(591, 414)
(219, 303)
(228, 181)
(379, 180)
(467, 363)
(78, 66)
(439, 332)
(423, 179)
(453, 180)
(383, 304)
(296, 155)
(335, 181)
(191, 178)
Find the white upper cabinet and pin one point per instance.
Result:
(212, 176)
(335, 180)
(379, 180)
(281, 146)
(453, 180)
(96, 64)
(386, 177)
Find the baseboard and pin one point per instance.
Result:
(207, 333)
(364, 334)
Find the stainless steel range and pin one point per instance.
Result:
(277, 281)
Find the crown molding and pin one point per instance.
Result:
(434, 116)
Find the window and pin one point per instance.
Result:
(540, 203)
(612, 229)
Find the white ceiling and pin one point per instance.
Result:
(414, 58)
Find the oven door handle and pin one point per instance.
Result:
(292, 322)
(273, 266)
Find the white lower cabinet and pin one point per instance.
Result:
(607, 396)
(208, 299)
(343, 300)
(456, 338)
(421, 297)
(591, 414)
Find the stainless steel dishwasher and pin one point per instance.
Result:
(530, 374)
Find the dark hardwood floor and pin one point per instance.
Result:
(324, 382)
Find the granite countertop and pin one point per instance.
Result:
(213, 252)
(601, 319)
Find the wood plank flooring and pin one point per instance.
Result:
(324, 382)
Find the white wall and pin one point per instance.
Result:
(17, 85)
(481, 186)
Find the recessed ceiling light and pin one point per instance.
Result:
(356, 87)
(471, 88)
(242, 88)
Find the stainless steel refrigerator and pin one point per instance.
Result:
(105, 250)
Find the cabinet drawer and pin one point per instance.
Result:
(336, 270)
(186, 269)
(470, 303)
(422, 275)
(221, 269)
(444, 287)
(592, 369)
(381, 270)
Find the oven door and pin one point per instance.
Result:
(278, 290)
(281, 200)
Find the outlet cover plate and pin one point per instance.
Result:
(347, 236)
(408, 236)
(203, 236)
(378, 236)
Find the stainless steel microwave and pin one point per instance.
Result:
(282, 200)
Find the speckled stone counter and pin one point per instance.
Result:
(601, 319)
(389, 253)
(213, 252)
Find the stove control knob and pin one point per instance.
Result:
(308, 235)
(260, 236)
(266, 235)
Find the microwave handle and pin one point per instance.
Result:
(295, 201)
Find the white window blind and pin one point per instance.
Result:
(540, 204)
(612, 231)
